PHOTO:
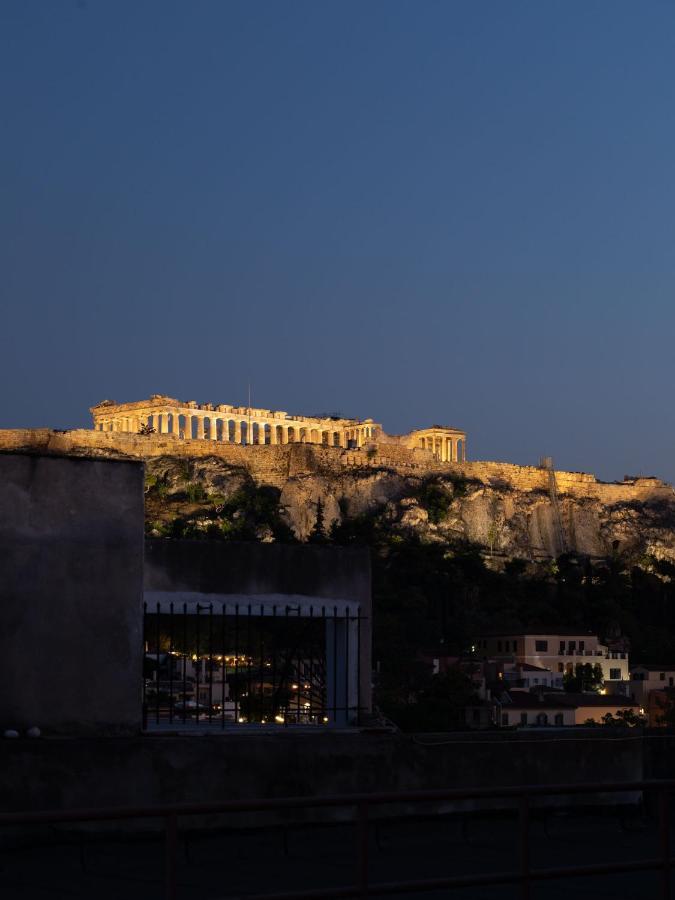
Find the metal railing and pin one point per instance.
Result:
(523, 796)
(275, 665)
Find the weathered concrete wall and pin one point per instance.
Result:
(231, 567)
(71, 580)
(157, 770)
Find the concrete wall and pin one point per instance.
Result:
(71, 579)
(228, 567)
(142, 771)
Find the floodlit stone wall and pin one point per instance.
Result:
(275, 464)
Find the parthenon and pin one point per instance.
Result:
(166, 416)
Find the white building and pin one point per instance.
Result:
(540, 710)
(543, 710)
(525, 677)
(559, 652)
(645, 679)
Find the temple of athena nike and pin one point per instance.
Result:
(245, 425)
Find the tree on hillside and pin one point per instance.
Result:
(318, 533)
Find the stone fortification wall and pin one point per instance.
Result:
(275, 464)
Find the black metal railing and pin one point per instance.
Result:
(212, 666)
(521, 798)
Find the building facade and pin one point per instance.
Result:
(560, 653)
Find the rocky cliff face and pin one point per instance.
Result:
(197, 487)
(505, 520)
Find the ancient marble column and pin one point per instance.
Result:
(237, 432)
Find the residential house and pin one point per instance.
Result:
(523, 676)
(540, 710)
(649, 685)
(558, 651)
(543, 708)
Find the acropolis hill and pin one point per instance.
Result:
(201, 459)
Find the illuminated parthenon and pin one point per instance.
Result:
(232, 424)
(245, 425)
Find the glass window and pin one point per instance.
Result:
(499, 646)
(558, 719)
(662, 676)
(573, 645)
(515, 646)
(562, 646)
(542, 719)
(523, 718)
(561, 667)
(615, 674)
(582, 646)
(541, 646)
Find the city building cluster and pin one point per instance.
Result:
(559, 678)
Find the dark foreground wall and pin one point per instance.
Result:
(71, 581)
(139, 771)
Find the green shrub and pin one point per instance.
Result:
(195, 492)
(435, 500)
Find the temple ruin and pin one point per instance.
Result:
(245, 425)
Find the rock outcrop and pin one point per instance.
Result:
(507, 510)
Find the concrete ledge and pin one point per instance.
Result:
(152, 771)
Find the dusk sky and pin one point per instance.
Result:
(423, 212)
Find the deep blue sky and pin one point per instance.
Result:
(453, 212)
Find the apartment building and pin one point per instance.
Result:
(559, 651)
